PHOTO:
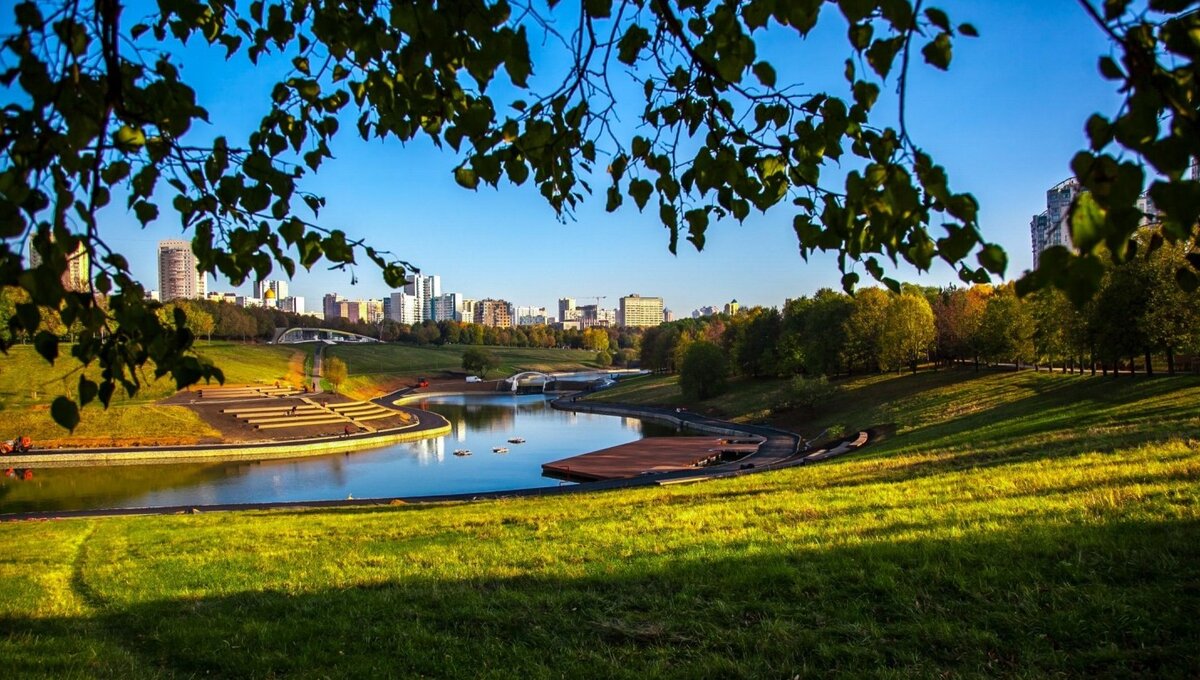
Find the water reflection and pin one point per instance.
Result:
(420, 468)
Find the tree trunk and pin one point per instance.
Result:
(976, 363)
(1170, 360)
(1149, 363)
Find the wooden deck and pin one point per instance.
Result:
(646, 456)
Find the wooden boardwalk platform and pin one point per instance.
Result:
(650, 455)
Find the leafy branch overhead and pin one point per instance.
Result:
(100, 109)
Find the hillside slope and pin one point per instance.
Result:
(1014, 525)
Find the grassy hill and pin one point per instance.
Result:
(28, 384)
(1015, 524)
(377, 368)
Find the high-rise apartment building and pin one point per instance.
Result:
(425, 289)
(1052, 227)
(292, 304)
(178, 276)
(496, 313)
(532, 316)
(404, 308)
(468, 310)
(637, 311)
(732, 307)
(329, 305)
(75, 276)
(567, 310)
(448, 307)
(374, 311)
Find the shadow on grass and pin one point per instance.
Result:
(1108, 599)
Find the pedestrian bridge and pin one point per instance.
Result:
(327, 335)
(529, 381)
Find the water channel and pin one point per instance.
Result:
(421, 468)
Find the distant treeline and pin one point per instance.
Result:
(1140, 317)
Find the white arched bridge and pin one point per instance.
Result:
(327, 335)
(528, 380)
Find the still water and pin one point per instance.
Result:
(420, 468)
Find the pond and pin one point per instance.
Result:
(427, 467)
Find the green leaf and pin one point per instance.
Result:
(466, 177)
(639, 190)
(968, 30)
(938, 18)
(993, 258)
(145, 212)
(46, 344)
(1110, 70)
(87, 390)
(65, 412)
(599, 9)
(937, 51)
(630, 45)
(765, 74)
(1087, 223)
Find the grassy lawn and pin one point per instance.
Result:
(379, 368)
(1014, 525)
(28, 384)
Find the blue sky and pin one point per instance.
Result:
(1004, 121)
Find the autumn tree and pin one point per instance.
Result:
(908, 332)
(1006, 329)
(864, 328)
(335, 371)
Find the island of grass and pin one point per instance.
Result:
(1015, 524)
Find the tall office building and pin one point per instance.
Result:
(636, 311)
(178, 276)
(425, 289)
(496, 313)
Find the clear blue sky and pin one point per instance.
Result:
(1004, 121)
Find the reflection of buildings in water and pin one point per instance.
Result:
(460, 430)
(430, 450)
(630, 424)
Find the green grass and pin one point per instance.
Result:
(28, 385)
(378, 368)
(1014, 525)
